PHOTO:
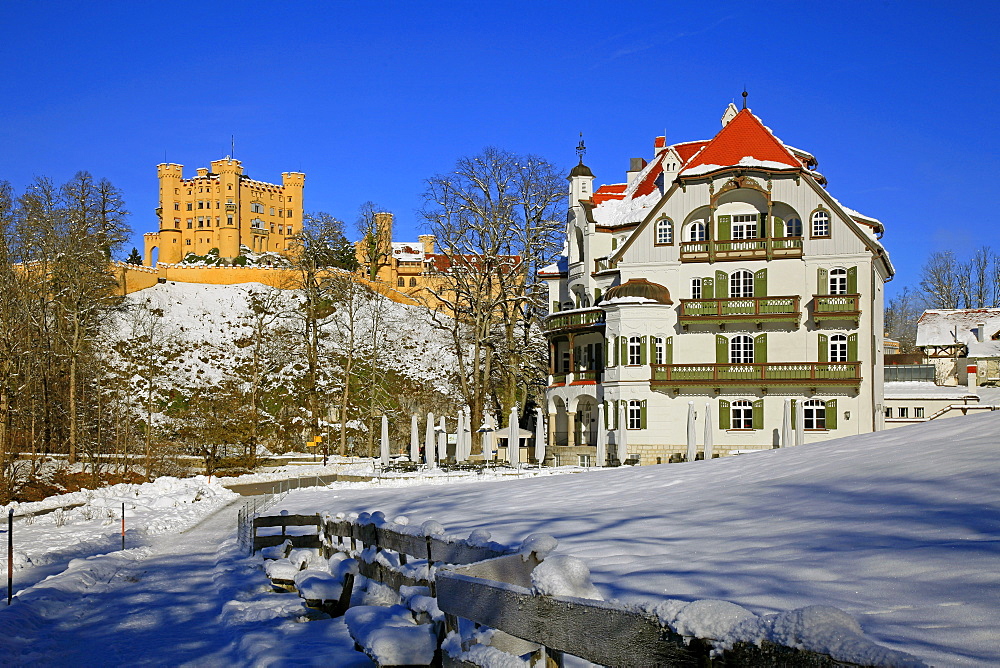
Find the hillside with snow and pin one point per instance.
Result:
(899, 529)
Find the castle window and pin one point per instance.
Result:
(229, 220)
(289, 230)
(288, 214)
(190, 206)
(821, 224)
(664, 231)
(216, 204)
(177, 206)
(745, 226)
(741, 284)
(190, 222)
(695, 288)
(289, 200)
(741, 349)
(257, 207)
(838, 348)
(187, 241)
(741, 415)
(177, 223)
(229, 186)
(814, 414)
(201, 221)
(218, 221)
(838, 281)
(413, 282)
(281, 213)
(272, 210)
(201, 205)
(401, 282)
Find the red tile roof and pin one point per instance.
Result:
(687, 150)
(648, 183)
(659, 142)
(612, 191)
(743, 136)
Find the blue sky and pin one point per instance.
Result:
(895, 99)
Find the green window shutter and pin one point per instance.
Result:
(723, 228)
(555, 306)
(831, 414)
(721, 284)
(607, 416)
(708, 288)
(609, 354)
(668, 350)
(724, 414)
(623, 350)
(614, 243)
(852, 347)
(643, 347)
(721, 349)
(760, 283)
(762, 225)
(778, 227)
(597, 295)
(760, 349)
(642, 414)
(852, 280)
(822, 283)
(758, 414)
(824, 348)
(577, 358)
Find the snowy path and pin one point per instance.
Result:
(186, 599)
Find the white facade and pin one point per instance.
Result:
(721, 273)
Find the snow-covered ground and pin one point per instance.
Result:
(900, 529)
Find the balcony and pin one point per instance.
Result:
(754, 309)
(741, 249)
(604, 264)
(575, 320)
(836, 307)
(586, 377)
(762, 375)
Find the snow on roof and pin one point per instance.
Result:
(609, 191)
(946, 327)
(560, 266)
(925, 390)
(743, 138)
(408, 251)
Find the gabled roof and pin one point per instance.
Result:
(744, 140)
(609, 191)
(688, 149)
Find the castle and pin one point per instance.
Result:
(223, 208)
(719, 287)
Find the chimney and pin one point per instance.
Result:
(635, 166)
(972, 372)
(981, 331)
(427, 242)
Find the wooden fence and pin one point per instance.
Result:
(491, 587)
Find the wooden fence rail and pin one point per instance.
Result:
(491, 587)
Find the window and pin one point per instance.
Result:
(190, 206)
(695, 288)
(281, 213)
(888, 411)
(177, 223)
(814, 414)
(584, 460)
(904, 412)
(661, 350)
(190, 222)
(413, 282)
(740, 284)
(201, 205)
(918, 412)
(745, 226)
(741, 349)
(288, 213)
(289, 200)
(635, 414)
(695, 231)
(201, 221)
(272, 210)
(177, 206)
(257, 207)
(838, 348)
(401, 282)
(634, 350)
(821, 224)
(216, 204)
(229, 186)
(288, 230)
(793, 227)
(838, 282)
(187, 241)
(229, 220)
(218, 221)
(664, 232)
(741, 415)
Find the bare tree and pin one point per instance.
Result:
(941, 282)
(496, 218)
(901, 315)
(375, 247)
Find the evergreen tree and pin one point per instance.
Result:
(134, 257)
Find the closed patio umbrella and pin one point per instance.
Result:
(384, 452)
(800, 426)
(786, 425)
(414, 438)
(513, 439)
(602, 436)
(442, 441)
(692, 452)
(708, 431)
(539, 437)
(429, 440)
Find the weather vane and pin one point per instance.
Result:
(581, 149)
(745, 97)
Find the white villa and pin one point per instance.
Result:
(720, 280)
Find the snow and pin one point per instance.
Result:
(391, 636)
(745, 161)
(892, 534)
(563, 575)
(945, 327)
(913, 389)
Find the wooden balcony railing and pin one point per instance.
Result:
(782, 309)
(604, 264)
(741, 249)
(590, 375)
(575, 319)
(836, 307)
(772, 373)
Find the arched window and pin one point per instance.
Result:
(664, 231)
(740, 284)
(838, 281)
(793, 227)
(821, 224)
(635, 350)
(838, 348)
(741, 349)
(741, 415)
(401, 282)
(814, 414)
(695, 288)
(413, 282)
(695, 231)
(634, 414)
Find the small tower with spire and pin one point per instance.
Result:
(581, 179)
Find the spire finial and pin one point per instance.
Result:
(745, 97)
(581, 148)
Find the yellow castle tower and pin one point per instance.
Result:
(223, 208)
